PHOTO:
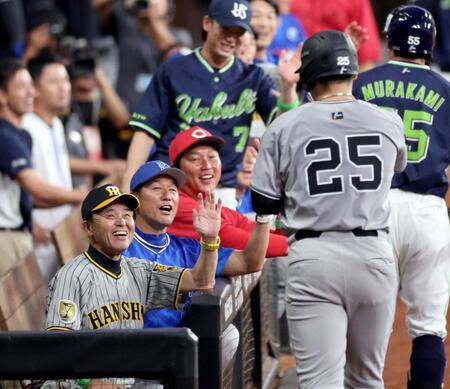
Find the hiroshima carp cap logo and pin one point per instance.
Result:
(229, 13)
(150, 170)
(191, 137)
(99, 198)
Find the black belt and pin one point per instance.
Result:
(303, 234)
(21, 229)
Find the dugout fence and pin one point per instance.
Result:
(168, 355)
(246, 303)
(208, 357)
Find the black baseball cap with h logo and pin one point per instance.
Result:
(101, 197)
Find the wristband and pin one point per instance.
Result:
(264, 219)
(283, 107)
(210, 246)
(84, 382)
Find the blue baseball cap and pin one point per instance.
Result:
(150, 170)
(231, 13)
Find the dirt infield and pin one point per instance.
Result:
(397, 361)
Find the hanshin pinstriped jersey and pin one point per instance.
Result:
(83, 294)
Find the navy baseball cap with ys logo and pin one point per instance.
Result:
(101, 197)
(231, 13)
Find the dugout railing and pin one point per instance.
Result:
(246, 303)
(167, 355)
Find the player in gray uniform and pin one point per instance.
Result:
(327, 168)
(102, 289)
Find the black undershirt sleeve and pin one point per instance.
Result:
(264, 205)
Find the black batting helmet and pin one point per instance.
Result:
(411, 31)
(327, 53)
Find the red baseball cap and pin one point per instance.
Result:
(191, 137)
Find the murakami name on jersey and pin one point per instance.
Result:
(190, 110)
(402, 90)
(117, 311)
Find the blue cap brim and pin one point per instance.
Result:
(142, 176)
(232, 22)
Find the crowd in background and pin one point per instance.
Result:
(108, 51)
(100, 57)
(72, 75)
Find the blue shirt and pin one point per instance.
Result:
(421, 97)
(15, 156)
(270, 58)
(245, 203)
(289, 35)
(187, 91)
(169, 249)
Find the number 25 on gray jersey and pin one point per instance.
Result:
(356, 159)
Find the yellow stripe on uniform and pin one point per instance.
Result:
(177, 294)
(56, 328)
(102, 268)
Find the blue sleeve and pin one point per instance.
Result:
(266, 102)
(153, 108)
(191, 250)
(224, 254)
(15, 155)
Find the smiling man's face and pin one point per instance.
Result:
(159, 203)
(264, 22)
(221, 41)
(111, 229)
(203, 168)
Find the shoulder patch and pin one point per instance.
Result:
(162, 268)
(67, 311)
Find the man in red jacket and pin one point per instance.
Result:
(196, 152)
(340, 15)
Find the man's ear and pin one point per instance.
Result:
(3, 98)
(87, 226)
(36, 89)
(206, 23)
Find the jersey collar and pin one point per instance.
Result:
(155, 243)
(105, 264)
(409, 65)
(8, 125)
(208, 67)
